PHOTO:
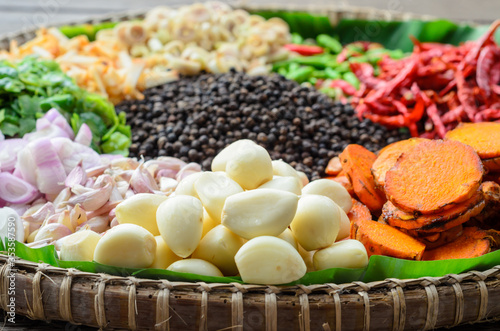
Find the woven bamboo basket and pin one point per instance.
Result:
(44, 292)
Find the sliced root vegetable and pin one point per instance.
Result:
(127, 246)
(262, 212)
(140, 209)
(180, 221)
(330, 189)
(433, 240)
(269, 260)
(316, 223)
(488, 217)
(357, 162)
(381, 239)
(334, 167)
(344, 254)
(473, 242)
(219, 246)
(359, 212)
(433, 176)
(438, 222)
(16, 190)
(484, 137)
(388, 156)
(164, 255)
(195, 266)
(491, 164)
(79, 246)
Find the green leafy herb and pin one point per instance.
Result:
(32, 86)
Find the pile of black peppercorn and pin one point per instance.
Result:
(196, 117)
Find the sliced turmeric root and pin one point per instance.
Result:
(433, 176)
(388, 156)
(473, 242)
(438, 222)
(381, 239)
(484, 137)
(491, 164)
(359, 212)
(436, 239)
(333, 167)
(489, 216)
(356, 162)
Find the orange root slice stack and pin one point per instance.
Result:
(381, 239)
(435, 239)
(388, 156)
(435, 175)
(438, 222)
(484, 137)
(359, 212)
(473, 242)
(357, 162)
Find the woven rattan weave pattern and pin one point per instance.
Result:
(44, 292)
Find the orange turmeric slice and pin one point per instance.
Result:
(491, 164)
(359, 212)
(484, 137)
(381, 239)
(473, 242)
(433, 176)
(436, 239)
(388, 156)
(438, 222)
(333, 167)
(356, 162)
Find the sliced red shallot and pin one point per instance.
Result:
(8, 153)
(50, 173)
(84, 135)
(16, 190)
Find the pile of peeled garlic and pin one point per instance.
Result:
(250, 216)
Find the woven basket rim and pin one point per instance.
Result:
(425, 284)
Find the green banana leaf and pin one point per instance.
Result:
(379, 268)
(393, 35)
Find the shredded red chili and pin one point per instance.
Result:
(435, 88)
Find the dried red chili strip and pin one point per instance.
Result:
(345, 86)
(485, 62)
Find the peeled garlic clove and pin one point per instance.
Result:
(180, 221)
(345, 225)
(32, 236)
(65, 219)
(259, 212)
(79, 246)
(219, 246)
(331, 189)
(307, 257)
(52, 231)
(220, 160)
(250, 166)
(127, 246)
(289, 184)
(186, 186)
(195, 266)
(97, 224)
(164, 255)
(287, 236)
(269, 260)
(316, 223)
(140, 209)
(348, 253)
(208, 223)
(303, 178)
(283, 169)
(213, 188)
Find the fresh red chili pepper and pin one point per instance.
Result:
(345, 86)
(306, 50)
